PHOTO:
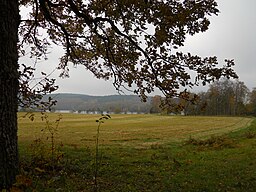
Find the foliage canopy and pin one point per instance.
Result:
(135, 42)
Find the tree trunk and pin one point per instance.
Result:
(9, 85)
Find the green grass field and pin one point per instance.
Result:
(139, 153)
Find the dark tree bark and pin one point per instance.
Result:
(9, 21)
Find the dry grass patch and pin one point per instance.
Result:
(131, 130)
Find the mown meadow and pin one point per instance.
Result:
(136, 153)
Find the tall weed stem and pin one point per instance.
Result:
(96, 170)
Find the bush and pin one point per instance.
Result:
(216, 142)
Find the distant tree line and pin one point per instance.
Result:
(224, 97)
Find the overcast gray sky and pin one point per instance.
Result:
(232, 35)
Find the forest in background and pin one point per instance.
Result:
(98, 104)
(223, 97)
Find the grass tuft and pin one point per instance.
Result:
(214, 142)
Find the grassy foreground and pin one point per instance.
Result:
(137, 153)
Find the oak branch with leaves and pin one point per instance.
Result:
(136, 43)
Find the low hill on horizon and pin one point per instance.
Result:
(109, 103)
